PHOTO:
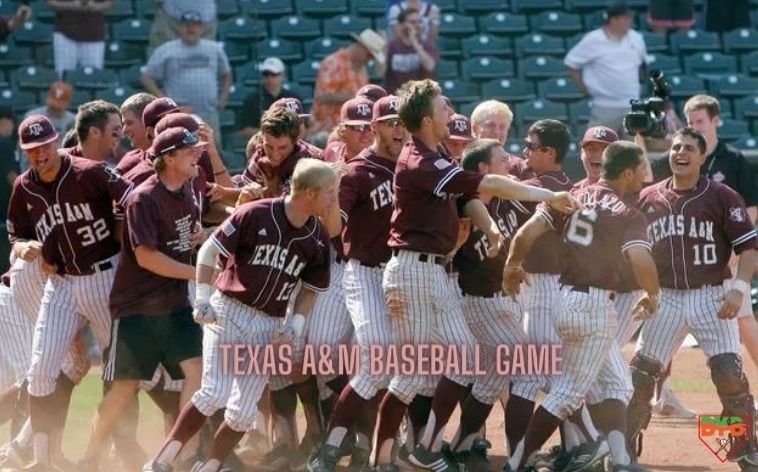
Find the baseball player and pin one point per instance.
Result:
(460, 136)
(371, 91)
(366, 203)
(133, 127)
(98, 129)
(587, 323)
(271, 246)
(353, 131)
(695, 224)
(423, 231)
(152, 315)
(65, 203)
(151, 113)
(296, 106)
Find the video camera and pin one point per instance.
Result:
(648, 115)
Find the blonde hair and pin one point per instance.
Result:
(311, 174)
(489, 108)
(703, 102)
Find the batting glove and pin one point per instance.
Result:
(203, 312)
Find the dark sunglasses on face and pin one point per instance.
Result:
(391, 123)
(360, 128)
(270, 74)
(534, 146)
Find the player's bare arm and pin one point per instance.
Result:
(504, 187)
(481, 218)
(521, 244)
(204, 272)
(645, 273)
(741, 286)
(163, 265)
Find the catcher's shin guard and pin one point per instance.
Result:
(645, 373)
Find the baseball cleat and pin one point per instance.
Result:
(403, 458)
(325, 460)
(359, 460)
(475, 459)
(436, 461)
(586, 455)
(749, 462)
(669, 405)
(556, 459)
(255, 447)
(156, 466)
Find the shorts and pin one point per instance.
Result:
(140, 343)
(671, 13)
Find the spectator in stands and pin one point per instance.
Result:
(341, 75)
(721, 17)
(460, 135)
(664, 15)
(189, 69)
(9, 24)
(56, 107)
(258, 101)
(80, 30)
(429, 14)
(168, 17)
(605, 65)
(408, 57)
(493, 119)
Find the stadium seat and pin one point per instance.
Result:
(119, 54)
(4, 82)
(580, 113)
(305, 72)
(481, 7)
(33, 32)
(237, 93)
(80, 97)
(460, 91)
(710, 64)
(234, 143)
(487, 45)
(694, 41)
(295, 27)
(454, 24)
(281, 48)
(267, 8)
(33, 77)
(41, 11)
(247, 74)
(12, 56)
(746, 108)
(504, 24)
(683, 86)
(322, 47)
(536, 5)
(449, 47)
(227, 119)
(343, 26)
(131, 76)
(749, 63)
(19, 101)
(732, 130)
(508, 90)
(242, 29)
(734, 86)
(133, 30)
(741, 40)
(669, 65)
(238, 53)
(7, 7)
(369, 8)
(528, 112)
(447, 5)
(146, 10)
(541, 67)
(746, 144)
(655, 42)
(115, 95)
(572, 41)
(227, 8)
(447, 69)
(557, 22)
(485, 68)
(466, 109)
(586, 5)
(539, 44)
(120, 11)
(304, 91)
(321, 8)
(91, 79)
(560, 89)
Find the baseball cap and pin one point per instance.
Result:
(177, 120)
(292, 104)
(460, 128)
(154, 110)
(172, 139)
(59, 94)
(372, 92)
(372, 41)
(35, 131)
(273, 65)
(356, 111)
(191, 16)
(386, 108)
(599, 134)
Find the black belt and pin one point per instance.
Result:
(499, 293)
(586, 289)
(424, 257)
(372, 266)
(99, 267)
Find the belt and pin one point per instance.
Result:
(424, 257)
(373, 266)
(499, 293)
(586, 289)
(450, 269)
(95, 268)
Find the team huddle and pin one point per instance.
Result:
(406, 230)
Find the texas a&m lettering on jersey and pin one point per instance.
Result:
(267, 256)
(694, 232)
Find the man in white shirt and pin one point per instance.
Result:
(605, 65)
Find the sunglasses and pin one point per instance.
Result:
(391, 123)
(534, 146)
(189, 139)
(360, 128)
(270, 74)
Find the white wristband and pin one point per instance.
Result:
(741, 286)
(203, 292)
(297, 323)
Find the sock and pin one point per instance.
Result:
(391, 413)
(308, 393)
(283, 405)
(540, 429)
(418, 414)
(187, 425)
(473, 416)
(348, 408)
(224, 441)
(518, 413)
(446, 397)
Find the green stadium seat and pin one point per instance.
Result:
(131, 76)
(572, 41)
(267, 8)
(12, 56)
(19, 101)
(120, 54)
(485, 68)
(369, 8)
(746, 108)
(669, 65)
(115, 95)
(237, 93)
(509, 90)
(586, 5)
(91, 79)
(8, 7)
(134, 30)
(33, 32)
(528, 112)
(501, 23)
(234, 143)
(41, 11)
(454, 24)
(146, 10)
(482, 7)
(694, 41)
(4, 82)
(684, 86)
(542, 44)
(322, 47)
(541, 67)
(295, 27)
(447, 5)
(559, 89)
(734, 86)
(33, 77)
(466, 109)
(710, 64)
(460, 91)
(579, 113)
(748, 143)
(732, 130)
(227, 119)
(557, 22)
(242, 29)
(120, 11)
(80, 97)
(304, 91)
(741, 40)
(749, 63)
(305, 72)
(283, 49)
(247, 74)
(487, 45)
(536, 5)
(655, 42)
(227, 8)
(447, 69)
(321, 8)
(449, 47)
(343, 26)
(238, 53)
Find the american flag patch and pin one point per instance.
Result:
(442, 164)
(228, 229)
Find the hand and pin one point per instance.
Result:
(646, 307)
(496, 242)
(198, 236)
(565, 202)
(49, 269)
(731, 304)
(29, 250)
(23, 13)
(251, 192)
(513, 276)
(203, 312)
(206, 133)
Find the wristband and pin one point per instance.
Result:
(297, 323)
(203, 292)
(741, 286)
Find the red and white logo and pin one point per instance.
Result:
(292, 106)
(736, 214)
(599, 133)
(394, 105)
(36, 129)
(363, 109)
(460, 125)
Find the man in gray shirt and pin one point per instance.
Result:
(169, 14)
(189, 69)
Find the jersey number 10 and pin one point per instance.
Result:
(705, 254)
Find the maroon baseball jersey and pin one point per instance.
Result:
(596, 238)
(132, 158)
(336, 151)
(277, 179)
(427, 182)
(72, 216)
(693, 232)
(545, 256)
(477, 274)
(162, 220)
(366, 204)
(267, 256)
(584, 183)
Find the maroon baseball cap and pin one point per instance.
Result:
(599, 134)
(292, 104)
(154, 110)
(177, 120)
(386, 108)
(460, 128)
(372, 92)
(356, 111)
(174, 138)
(35, 131)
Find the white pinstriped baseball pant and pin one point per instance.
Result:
(16, 340)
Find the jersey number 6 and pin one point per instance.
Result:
(580, 227)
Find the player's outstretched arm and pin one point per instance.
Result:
(646, 275)
(521, 244)
(481, 218)
(507, 188)
(741, 286)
